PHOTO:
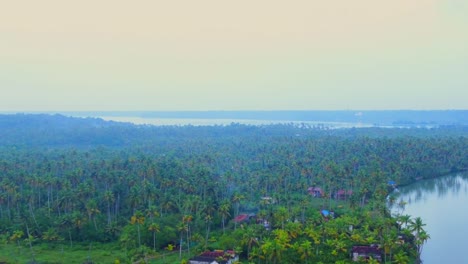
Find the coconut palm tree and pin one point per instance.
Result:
(208, 220)
(138, 218)
(154, 227)
(420, 240)
(182, 227)
(403, 220)
(109, 198)
(281, 215)
(223, 210)
(249, 238)
(92, 209)
(416, 226)
(401, 258)
(305, 250)
(420, 235)
(187, 219)
(236, 200)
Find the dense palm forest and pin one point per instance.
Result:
(175, 190)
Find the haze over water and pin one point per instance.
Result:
(223, 122)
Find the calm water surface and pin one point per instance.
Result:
(225, 122)
(442, 205)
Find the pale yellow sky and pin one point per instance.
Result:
(233, 55)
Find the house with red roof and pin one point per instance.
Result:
(244, 218)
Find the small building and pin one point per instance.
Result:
(264, 223)
(244, 218)
(215, 257)
(241, 218)
(366, 252)
(327, 214)
(315, 192)
(267, 200)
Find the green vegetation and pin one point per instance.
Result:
(131, 193)
(44, 252)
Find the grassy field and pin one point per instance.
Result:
(78, 254)
(56, 253)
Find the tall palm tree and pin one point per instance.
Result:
(152, 212)
(236, 200)
(223, 210)
(153, 227)
(182, 227)
(109, 198)
(416, 226)
(138, 219)
(208, 220)
(420, 235)
(420, 240)
(92, 209)
(187, 219)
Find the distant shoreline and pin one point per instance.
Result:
(226, 122)
(367, 118)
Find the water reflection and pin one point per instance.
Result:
(441, 204)
(443, 186)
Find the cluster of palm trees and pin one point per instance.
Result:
(320, 240)
(186, 190)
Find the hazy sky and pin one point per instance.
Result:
(233, 55)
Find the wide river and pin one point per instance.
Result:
(225, 122)
(442, 203)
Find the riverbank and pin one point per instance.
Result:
(438, 202)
